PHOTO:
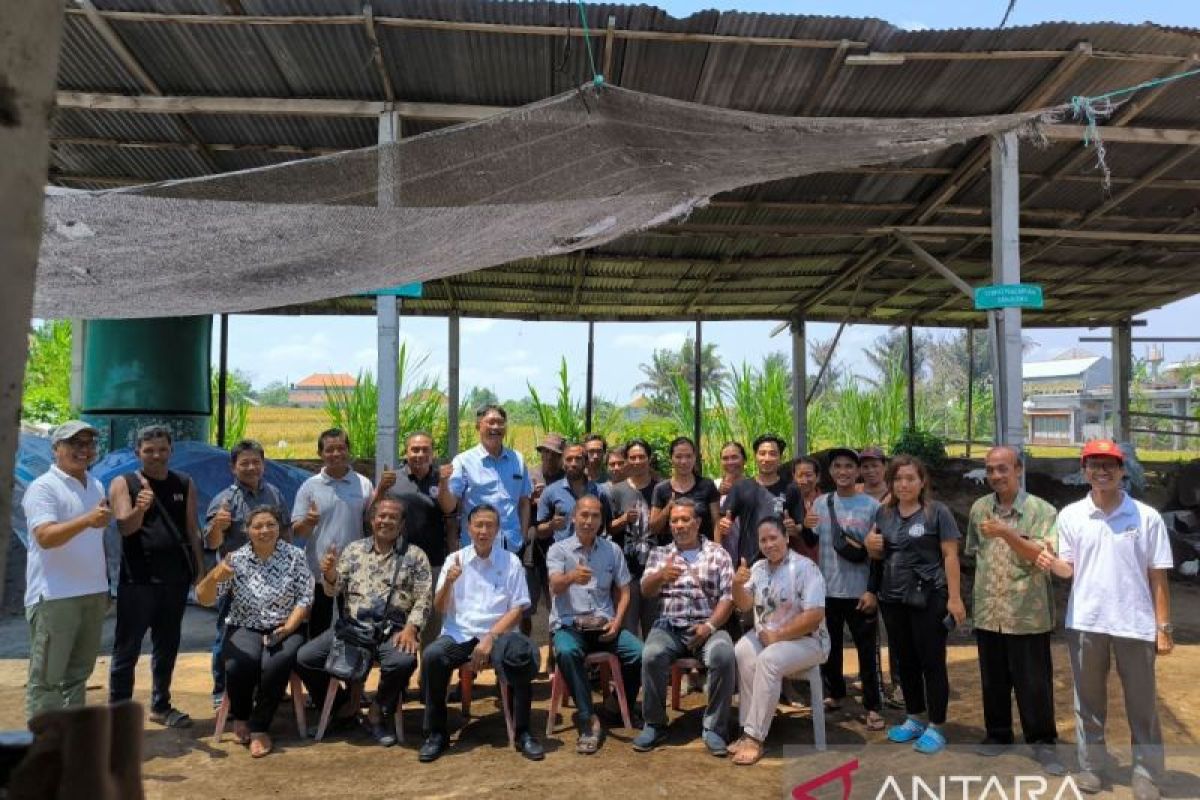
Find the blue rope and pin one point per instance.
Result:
(597, 78)
(1101, 105)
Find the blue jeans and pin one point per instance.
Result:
(571, 647)
(218, 663)
(663, 646)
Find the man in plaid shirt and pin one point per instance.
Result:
(693, 577)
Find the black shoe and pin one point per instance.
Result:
(528, 746)
(383, 732)
(1047, 756)
(990, 748)
(433, 747)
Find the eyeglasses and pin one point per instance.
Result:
(81, 444)
(1102, 466)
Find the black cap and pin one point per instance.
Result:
(834, 452)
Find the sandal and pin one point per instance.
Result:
(260, 745)
(910, 730)
(241, 732)
(932, 741)
(171, 718)
(832, 705)
(873, 721)
(751, 753)
(741, 742)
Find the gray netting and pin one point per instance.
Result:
(570, 172)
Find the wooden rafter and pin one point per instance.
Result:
(385, 79)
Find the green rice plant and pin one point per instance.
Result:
(354, 410)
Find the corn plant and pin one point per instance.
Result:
(354, 410)
(565, 415)
(237, 407)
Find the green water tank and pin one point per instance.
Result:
(138, 372)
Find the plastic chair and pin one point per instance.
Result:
(678, 667)
(610, 669)
(816, 689)
(466, 682)
(297, 688)
(355, 697)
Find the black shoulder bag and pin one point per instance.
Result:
(845, 545)
(354, 641)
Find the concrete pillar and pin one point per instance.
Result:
(799, 389)
(387, 313)
(591, 377)
(452, 388)
(1005, 324)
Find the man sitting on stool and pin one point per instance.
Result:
(584, 572)
(694, 577)
(480, 594)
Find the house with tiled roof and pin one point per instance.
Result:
(310, 392)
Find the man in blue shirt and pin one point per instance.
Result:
(491, 474)
(585, 571)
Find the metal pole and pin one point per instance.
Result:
(452, 401)
(1006, 268)
(799, 389)
(697, 390)
(1122, 359)
(910, 371)
(387, 311)
(970, 388)
(222, 380)
(591, 374)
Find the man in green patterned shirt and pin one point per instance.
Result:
(1014, 609)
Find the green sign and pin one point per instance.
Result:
(1009, 295)
(405, 290)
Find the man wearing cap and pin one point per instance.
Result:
(844, 518)
(1117, 552)
(548, 473)
(872, 467)
(1014, 609)
(66, 578)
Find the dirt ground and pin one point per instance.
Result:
(188, 764)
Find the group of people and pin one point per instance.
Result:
(756, 578)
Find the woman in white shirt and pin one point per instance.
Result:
(787, 593)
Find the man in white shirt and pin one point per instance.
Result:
(1118, 553)
(481, 593)
(66, 578)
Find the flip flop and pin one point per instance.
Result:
(241, 732)
(260, 745)
(171, 718)
(588, 744)
(873, 721)
(749, 755)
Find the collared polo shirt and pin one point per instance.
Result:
(343, 503)
(1012, 595)
(479, 478)
(424, 524)
(608, 567)
(487, 589)
(241, 500)
(558, 498)
(76, 568)
(1111, 555)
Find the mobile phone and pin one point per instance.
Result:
(950, 622)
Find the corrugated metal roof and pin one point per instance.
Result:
(1062, 368)
(766, 263)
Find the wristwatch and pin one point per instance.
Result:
(1167, 628)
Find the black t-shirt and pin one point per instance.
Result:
(750, 503)
(912, 546)
(635, 540)
(424, 524)
(703, 492)
(158, 551)
(794, 505)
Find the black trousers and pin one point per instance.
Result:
(255, 675)
(919, 639)
(141, 607)
(1012, 663)
(514, 657)
(864, 630)
(320, 614)
(395, 670)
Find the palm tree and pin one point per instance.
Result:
(667, 365)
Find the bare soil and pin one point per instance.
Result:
(188, 764)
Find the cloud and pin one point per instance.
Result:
(513, 357)
(473, 326)
(663, 341)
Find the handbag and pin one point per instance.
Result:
(916, 596)
(586, 623)
(845, 545)
(352, 650)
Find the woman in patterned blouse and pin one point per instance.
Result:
(272, 591)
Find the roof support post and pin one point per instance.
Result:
(387, 312)
(910, 371)
(78, 341)
(970, 427)
(452, 400)
(591, 372)
(223, 381)
(799, 389)
(698, 390)
(1005, 323)
(1122, 360)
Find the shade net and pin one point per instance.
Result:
(571, 172)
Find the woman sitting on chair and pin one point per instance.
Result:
(787, 593)
(272, 593)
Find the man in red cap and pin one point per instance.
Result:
(1117, 551)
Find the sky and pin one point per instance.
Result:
(508, 356)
